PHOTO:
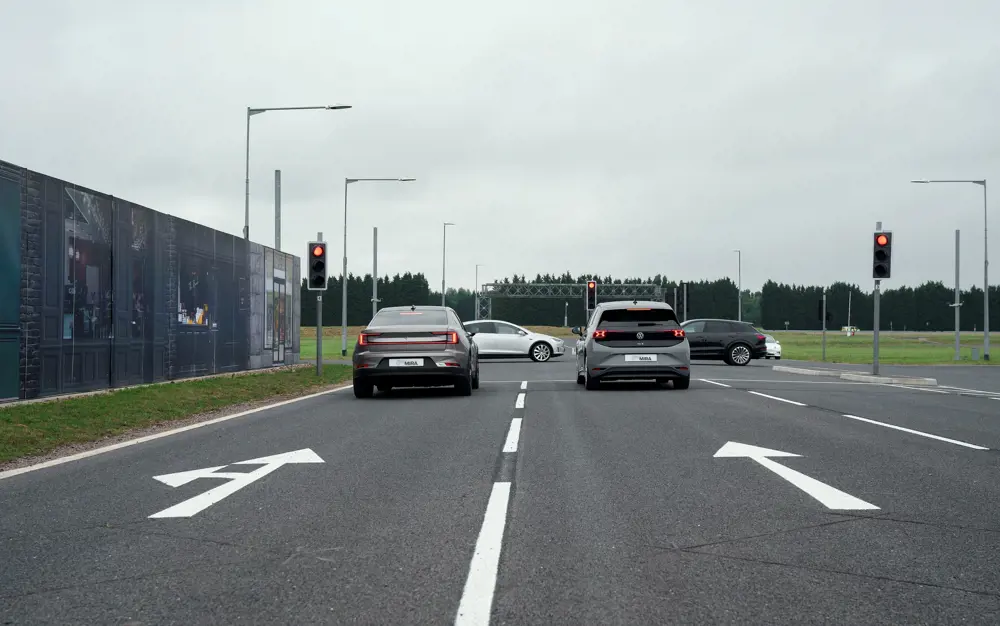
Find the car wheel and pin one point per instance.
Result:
(738, 354)
(589, 382)
(540, 352)
(475, 380)
(363, 389)
(580, 379)
(464, 386)
(682, 383)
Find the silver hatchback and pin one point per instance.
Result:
(633, 341)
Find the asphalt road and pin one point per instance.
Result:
(531, 502)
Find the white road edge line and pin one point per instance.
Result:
(705, 380)
(519, 404)
(524, 384)
(513, 435)
(916, 432)
(764, 395)
(477, 596)
(918, 388)
(134, 442)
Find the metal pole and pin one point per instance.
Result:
(246, 207)
(277, 210)
(476, 298)
(566, 315)
(824, 323)
(675, 301)
(849, 292)
(319, 325)
(444, 248)
(986, 282)
(343, 284)
(958, 302)
(685, 302)
(739, 288)
(876, 296)
(374, 270)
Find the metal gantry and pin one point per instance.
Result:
(605, 291)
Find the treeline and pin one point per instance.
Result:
(776, 306)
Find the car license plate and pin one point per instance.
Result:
(406, 362)
(640, 358)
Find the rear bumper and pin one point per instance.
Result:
(375, 368)
(642, 372)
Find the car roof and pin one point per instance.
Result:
(630, 304)
(416, 307)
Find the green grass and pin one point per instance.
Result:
(894, 348)
(331, 348)
(40, 427)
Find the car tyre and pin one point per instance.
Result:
(739, 354)
(464, 386)
(540, 352)
(589, 383)
(475, 380)
(682, 383)
(580, 379)
(363, 389)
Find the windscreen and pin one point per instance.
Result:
(410, 318)
(638, 315)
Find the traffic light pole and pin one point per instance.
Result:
(319, 325)
(877, 297)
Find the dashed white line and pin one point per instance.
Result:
(524, 384)
(477, 596)
(513, 435)
(916, 432)
(705, 380)
(764, 395)
(519, 404)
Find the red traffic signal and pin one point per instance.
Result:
(591, 294)
(591, 285)
(881, 239)
(318, 250)
(882, 256)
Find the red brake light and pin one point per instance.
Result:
(600, 334)
(679, 333)
(363, 338)
(761, 337)
(452, 336)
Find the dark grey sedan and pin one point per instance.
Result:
(415, 346)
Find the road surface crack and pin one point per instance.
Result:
(827, 570)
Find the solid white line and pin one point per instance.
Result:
(524, 384)
(477, 597)
(133, 442)
(780, 381)
(918, 388)
(513, 435)
(831, 498)
(705, 380)
(519, 404)
(917, 432)
(564, 380)
(764, 395)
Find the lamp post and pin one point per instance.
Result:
(739, 284)
(986, 261)
(478, 265)
(343, 280)
(251, 111)
(444, 249)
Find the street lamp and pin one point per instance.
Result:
(444, 246)
(739, 284)
(478, 265)
(255, 111)
(343, 280)
(986, 261)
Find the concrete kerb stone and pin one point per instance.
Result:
(858, 376)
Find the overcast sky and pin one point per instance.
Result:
(623, 138)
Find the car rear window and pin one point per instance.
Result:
(410, 318)
(638, 315)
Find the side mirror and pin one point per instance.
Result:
(523, 333)
(576, 330)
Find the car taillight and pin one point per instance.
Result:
(760, 337)
(452, 336)
(679, 333)
(600, 334)
(364, 339)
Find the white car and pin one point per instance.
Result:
(773, 347)
(497, 339)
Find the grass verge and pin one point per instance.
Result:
(38, 428)
(894, 348)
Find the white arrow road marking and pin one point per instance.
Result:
(237, 481)
(827, 495)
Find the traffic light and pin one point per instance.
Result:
(591, 295)
(882, 257)
(316, 255)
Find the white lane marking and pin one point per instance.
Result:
(831, 498)
(134, 442)
(705, 380)
(779, 381)
(519, 404)
(508, 382)
(524, 384)
(917, 388)
(764, 395)
(477, 597)
(513, 435)
(982, 391)
(916, 432)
